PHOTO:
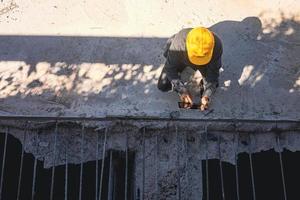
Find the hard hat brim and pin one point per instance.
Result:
(199, 60)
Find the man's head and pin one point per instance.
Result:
(200, 44)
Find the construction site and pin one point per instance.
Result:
(81, 116)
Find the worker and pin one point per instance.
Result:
(200, 49)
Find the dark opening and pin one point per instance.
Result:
(266, 169)
(267, 176)
(43, 176)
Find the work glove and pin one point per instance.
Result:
(184, 94)
(186, 99)
(204, 103)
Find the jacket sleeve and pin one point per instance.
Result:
(174, 62)
(211, 77)
(173, 69)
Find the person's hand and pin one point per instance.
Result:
(186, 99)
(204, 103)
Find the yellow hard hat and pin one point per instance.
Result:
(200, 44)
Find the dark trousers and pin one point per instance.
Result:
(164, 84)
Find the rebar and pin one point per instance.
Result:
(66, 170)
(21, 163)
(281, 167)
(143, 163)
(236, 138)
(34, 169)
(53, 161)
(110, 178)
(3, 161)
(186, 159)
(156, 166)
(206, 163)
(102, 164)
(126, 166)
(97, 165)
(251, 168)
(178, 164)
(81, 162)
(221, 167)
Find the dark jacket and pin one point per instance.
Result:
(177, 60)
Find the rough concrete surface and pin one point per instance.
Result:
(167, 154)
(94, 58)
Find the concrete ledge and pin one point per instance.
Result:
(137, 122)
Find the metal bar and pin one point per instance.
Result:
(3, 161)
(177, 165)
(251, 167)
(201, 168)
(221, 167)
(187, 159)
(97, 165)
(206, 164)
(53, 161)
(34, 169)
(156, 166)
(281, 168)
(21, 163)
(143, 118)
(126, 166)
(66, 170)
(102, 164)
(110, 178)
(236, 138)
(143, 163)
(81, 162)
(34, 177)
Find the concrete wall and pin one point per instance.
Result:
(168, 156)
(93, 58)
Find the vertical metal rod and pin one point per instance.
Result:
(251, 167)
(66, 169)
(177, 164)
(34, 169)
(143, 163)
(21, 163)
(33, 181)
(200, 191)
(187, 159)
(81, 162)
(236, 137)
(110, 178)
(281, 168)
(3, 162)
(206, 163)
(126, 166)
(97, 164)
(156, 166)
(53, 161)
(221, 167)
(102, 164)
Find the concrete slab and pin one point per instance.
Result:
(94, 58)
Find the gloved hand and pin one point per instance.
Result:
(204, 103)
(186, 99)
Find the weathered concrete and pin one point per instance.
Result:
(168, 154)
(94, 58)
